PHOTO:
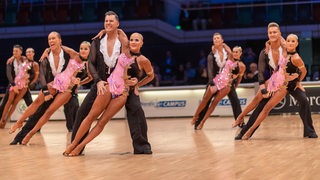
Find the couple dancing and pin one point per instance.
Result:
(281, 70)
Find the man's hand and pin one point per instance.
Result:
(101, 89)
(291, 77)
(132, 81)
(15, 89)
(75, 80)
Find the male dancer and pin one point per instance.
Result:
(102, 59)
(265, 70)
(56, 62)
(213, 69)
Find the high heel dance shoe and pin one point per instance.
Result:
(248, 134)
(239, 122)
(15, 127)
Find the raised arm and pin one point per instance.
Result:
(124, 42)
(70, 51)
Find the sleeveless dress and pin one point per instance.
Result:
(223, 79)
(62, 80)
(277, 79)
(292, 69)
(120, 72)
(22, 78)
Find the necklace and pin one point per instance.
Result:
(291, 53)
(135, 54)
(82, 59)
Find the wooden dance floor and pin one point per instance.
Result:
(276, 151)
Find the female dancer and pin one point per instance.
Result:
(222, 79)
(137, 61)
(237, 74)
(19, 86)
(277, 86)
(60, 88)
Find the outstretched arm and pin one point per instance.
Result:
(70, 51)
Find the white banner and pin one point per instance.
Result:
(180, 101)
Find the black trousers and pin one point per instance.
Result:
(83, 111)
(304, 112)
(27, 99)
(70, 111)
(235, 104)
(137, 124)
(33, 119)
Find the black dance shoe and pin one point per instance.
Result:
(239, 136)
(15, 142)
(241, 125)
(146, 151)
(310, 135)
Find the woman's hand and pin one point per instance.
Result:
(99, 35)
(291, 77)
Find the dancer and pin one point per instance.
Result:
(109, 103)
(61, 88)
(135, 114)
(102, 59)
(215, 62)
(298, 92)
(19, 85)
(221, 53)
(56, 62)
(237, 75)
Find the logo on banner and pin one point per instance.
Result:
(22, 107)
(180, 103)
(226, 102)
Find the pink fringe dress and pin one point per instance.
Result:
(223, 78)
(116, 80)
(22, 79)
(62, 80)
(277, 79)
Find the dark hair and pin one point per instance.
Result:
(18, 46)
(109, 13)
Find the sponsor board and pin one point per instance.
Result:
(291, 105)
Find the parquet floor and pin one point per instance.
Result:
(276, 151)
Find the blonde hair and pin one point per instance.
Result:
(238, 47)
(86, 42)
(273, 24)
(294, 35)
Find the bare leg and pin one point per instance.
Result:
(274, 100)
(209, 92)
(10, 100)
(220, 95)
(60, 100)
(100, 103)
(252, 105)
(114, 106)
(30, 110)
